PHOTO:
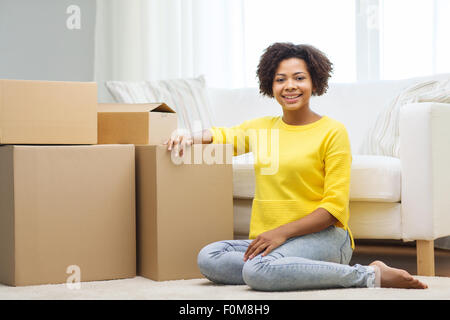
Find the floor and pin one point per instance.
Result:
(395, 254)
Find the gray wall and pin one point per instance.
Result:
(36, 44)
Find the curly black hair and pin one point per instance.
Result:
(319, 67)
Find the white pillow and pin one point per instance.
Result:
(188, 97)
(383, 137)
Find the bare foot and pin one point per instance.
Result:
(397, 278)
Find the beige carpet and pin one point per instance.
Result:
(396, 255)
(142, 288)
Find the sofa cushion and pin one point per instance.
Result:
(373, 178)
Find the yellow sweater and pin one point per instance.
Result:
(297, 169)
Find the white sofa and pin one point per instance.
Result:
(404, 198)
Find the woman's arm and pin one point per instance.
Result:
(316, 221)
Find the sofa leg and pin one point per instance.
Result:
(425, 257)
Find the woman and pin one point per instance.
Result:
(299, 234)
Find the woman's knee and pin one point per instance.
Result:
(220, 264)
(206, 254)
(255, 274)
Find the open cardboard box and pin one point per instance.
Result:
(146, 123)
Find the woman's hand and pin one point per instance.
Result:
(266, 241)
(179, 140)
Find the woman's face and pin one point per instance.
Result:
(292, 85)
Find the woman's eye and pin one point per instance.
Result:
(279, 80)
(300, 78)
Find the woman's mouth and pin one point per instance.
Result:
(291, 98)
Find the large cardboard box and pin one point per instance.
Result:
(67, 213)
(181, 208)
(48, 112)
(146, 123)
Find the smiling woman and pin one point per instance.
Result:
(299, 235)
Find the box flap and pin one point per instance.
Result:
(135, 107)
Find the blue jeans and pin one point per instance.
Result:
(314, 261)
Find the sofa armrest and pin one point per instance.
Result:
(425, 158)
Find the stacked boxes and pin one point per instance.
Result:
(70, 208)
(67, 206)
(182, 204)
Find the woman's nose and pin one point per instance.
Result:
(290, 84)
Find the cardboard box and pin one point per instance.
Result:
(48, 112)
(147, 123)
(63, 208)
(180, 208)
